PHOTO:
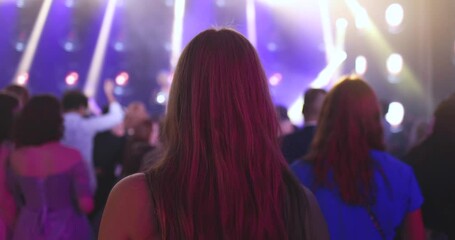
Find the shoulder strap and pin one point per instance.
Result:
(375, 221)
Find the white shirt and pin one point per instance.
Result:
(80, 133)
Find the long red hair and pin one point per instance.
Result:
(223, 175)
(349, 127)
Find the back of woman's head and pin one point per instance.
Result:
(20, 92)
(222, 166)
(40, 122)
(349, 127)
(219, 84)
(8, 106)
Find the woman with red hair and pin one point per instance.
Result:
(364, 193)
(222, 175)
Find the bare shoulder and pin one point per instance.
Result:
(134, 188)
(128, 213)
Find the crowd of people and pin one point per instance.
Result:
(223, 163)
(60, 161)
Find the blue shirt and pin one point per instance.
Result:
(397, 194)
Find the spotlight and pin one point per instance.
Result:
(342, 23)
(394, 64)
(20, 46)
(69, 46)
(394, 15)
(161, 98)
(361, 65)
(221, 3)
(22, 79)
(71, 42)
(72, 78)
(69, 3)
(20, 3)
(272, 47)
(119, 46)
(395, 114)
(275, 79)
(169, 3)
(122, 79)
(21, 41)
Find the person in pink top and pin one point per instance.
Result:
(50, 181)
(8, 107)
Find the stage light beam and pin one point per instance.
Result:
(341, 26)
(362, 20)
(30, 49)
(326, 75)
(251, 21)
(100, 50)
(383, 48)
(326, 30)
(177, 31)
(295, 112)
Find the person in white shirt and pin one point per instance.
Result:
(80, 130)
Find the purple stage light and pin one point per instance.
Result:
(22, 79)
(72, 78)
(122, 79)
(275, 79)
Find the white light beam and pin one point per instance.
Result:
(30, 50)
(100, 50)
(177, 31)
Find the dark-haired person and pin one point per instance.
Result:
(137, 145)
(222, 175)
(20, 92)
(51, 178)
(80, 130)
(9, 105)
(434, 166)
(296, 145)
(363, 192)
(286, 126)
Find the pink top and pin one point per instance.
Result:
(8, 208)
